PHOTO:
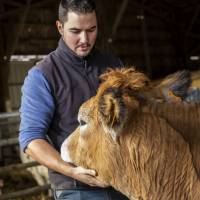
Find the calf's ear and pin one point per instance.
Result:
(114, 107)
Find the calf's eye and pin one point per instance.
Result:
(82, 122)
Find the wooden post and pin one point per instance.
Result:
(146, 45)
(4, 93)
(119, 16)
(1, 185)
(8, 44)
(4, 70)
(1, 157)
(20, 27)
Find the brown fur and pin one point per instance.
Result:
(126, 78)
(171, 89)
(135, 145)
(185, 118)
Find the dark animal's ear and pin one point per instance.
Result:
(114, 108)
(175, 86)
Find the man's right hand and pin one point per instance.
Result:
(87, 176)
(41, 151)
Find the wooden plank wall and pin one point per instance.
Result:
(18, 71)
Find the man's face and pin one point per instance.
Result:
(79, 32)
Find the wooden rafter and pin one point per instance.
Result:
(194, 36)
(194, 18)
(146, 42)
(21, 27)
(12, 3)
(1, 7)
(7, 48)
(194, 50)
(22, 8)
(119, 17)
(154, 12)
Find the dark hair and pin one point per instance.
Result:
(79, 6)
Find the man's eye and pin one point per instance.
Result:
(82, 122)
(91, 30)
(75, 32)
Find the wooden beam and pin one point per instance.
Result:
(20, 28)
(194, 51)
(12, 3)
(194, 36)
(153, 12)
(1, 7)
(4, 93)
(146, 45)
(119, 17)
(190, 9)
(7, 48)
(194, 18)
(22, 8)
(4, 62)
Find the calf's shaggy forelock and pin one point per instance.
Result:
(130, 145)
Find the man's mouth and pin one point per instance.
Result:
(84, 47)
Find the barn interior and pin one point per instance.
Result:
(157, 37)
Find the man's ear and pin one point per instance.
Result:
(60, 27)
(113, 110)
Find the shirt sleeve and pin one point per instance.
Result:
(37, 108)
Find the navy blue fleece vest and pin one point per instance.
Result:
(73, 80)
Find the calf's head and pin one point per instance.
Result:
(103, 120)
(121, 143)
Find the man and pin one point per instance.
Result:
(52, 94)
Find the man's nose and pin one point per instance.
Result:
(83, 37)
